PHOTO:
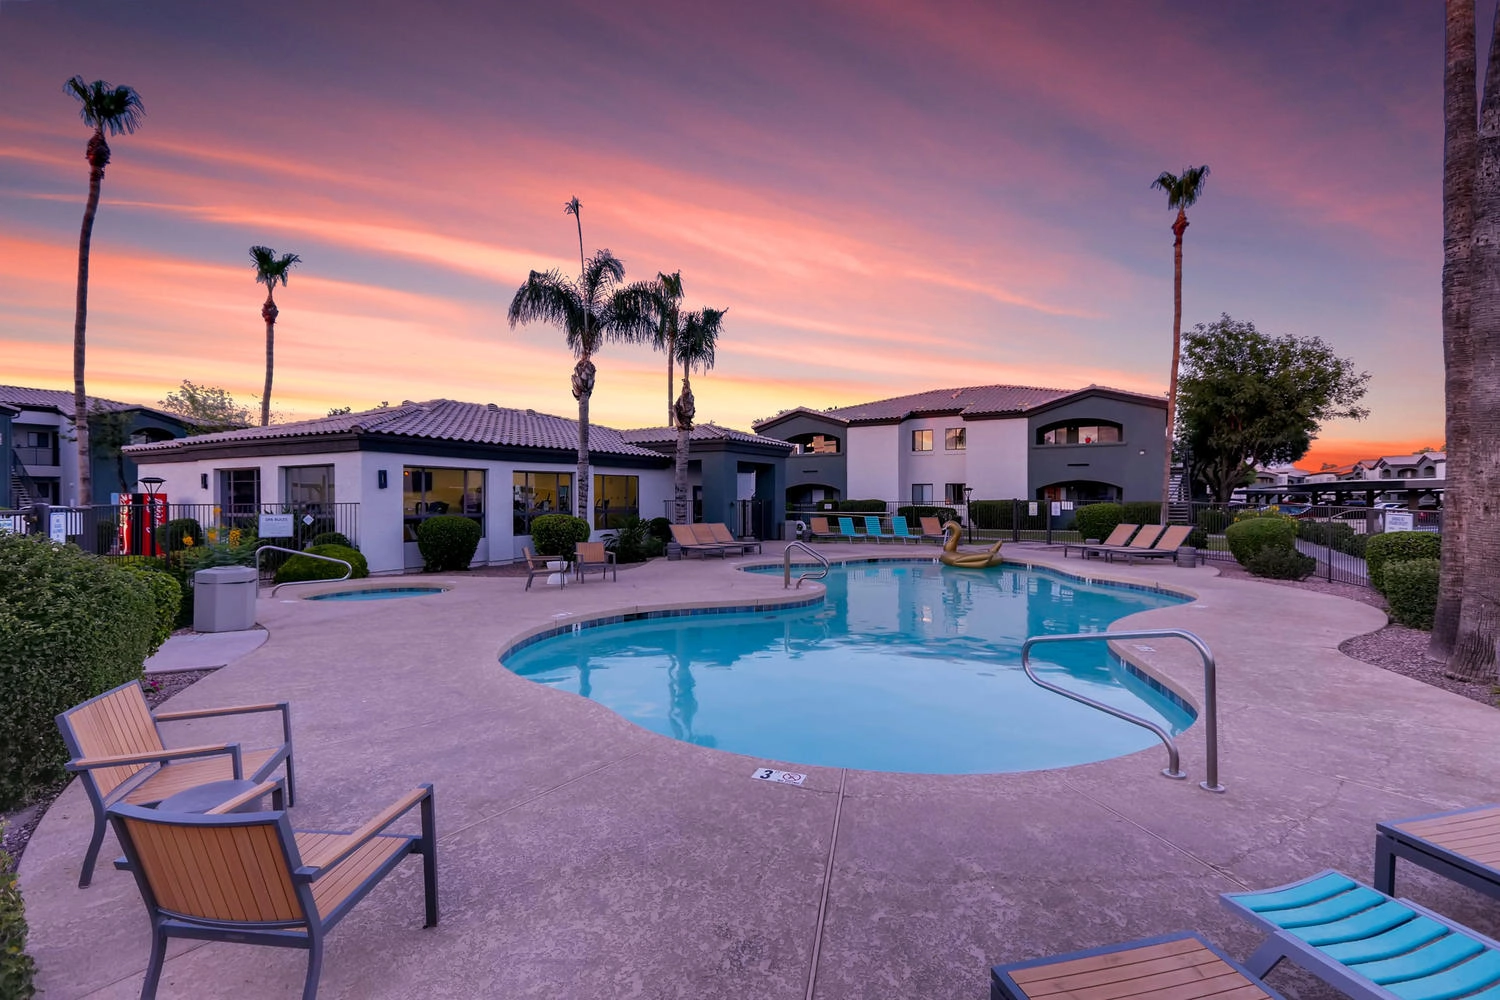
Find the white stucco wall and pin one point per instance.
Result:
(998, 451)
(873, 466)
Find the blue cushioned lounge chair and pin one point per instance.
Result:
(899, 529)
(1367, 944)
(873, 528)
(846, 529)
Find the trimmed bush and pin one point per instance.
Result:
(1277, 563)
(557, 534)
(332, 538)
(1411, 589)
(993, 514)
(1247, 538)
(448, 542)
(71, 626)
(914, 512)
(1097, 520)
(1214, 520)
(1141, 512)
(1398, 546)
(661, 530)
(1197, 538)
(16, 967)
(181, 528)
(861, 507)
(299, 568)
(632, 541)
(166, 597)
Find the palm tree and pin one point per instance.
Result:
(270, 269)
(667, 295)
(1182, 192)
(590, 312)
(696, 341)
(114, 110)
(1460, 117)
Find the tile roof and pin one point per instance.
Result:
(61, 400)
(700, 432)
(434, 420)
(968, 401)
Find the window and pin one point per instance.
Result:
(1078, 432)
(921, 493)
(35, 447)
(921, 440)
(956, 439)
(815, 444)
(239, 491)
(309, 485)
(429, 492)
(1429, 473)
(534, 493)
(953, 493)
(615, 499)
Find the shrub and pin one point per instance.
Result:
(1246, 538)
(556, 534)
(632, 541)
(298, 568)
(1197, 538)
(16, 967)
(861, 507)
(1398, 546)
(1411, 588)
(1278, 563)
(992, 514)
(447, 542)
(166, 597)
(1213, 520)
(1141, 512)
(1251, 514)
(1335, 535)
(181, 528)
(332, 538)
(914, 512)
(1097, 520)
(661, 530)
(71, 626)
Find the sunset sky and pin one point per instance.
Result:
(887, 196)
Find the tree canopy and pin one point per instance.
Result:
(1246, 398)
(207, 408)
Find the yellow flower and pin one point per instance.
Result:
(234, 537)
(187, 541)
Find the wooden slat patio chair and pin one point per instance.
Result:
(719, 532)
(250, 878)
(817, 527)
(1116, 538)
(115, 744)
(1164, 547)
(704, 535)
(594, 556)
(1463, 846)
(688, 541)
(932, 529)
(537, 566)
(1180, 966)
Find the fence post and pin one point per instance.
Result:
(1049, 522)
(1015, 520)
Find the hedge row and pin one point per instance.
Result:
(16, 967)
(1411, 589)
(915, 512)
(1398, 546)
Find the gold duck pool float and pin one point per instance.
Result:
(967, 560)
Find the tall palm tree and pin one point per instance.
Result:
(1182, 192)
(666, 304)
(115, 110)
(270, 269)
(590, 312)
(696, 340)
(1460, 121)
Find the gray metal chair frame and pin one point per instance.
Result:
(1392, 842)
(537, 566)
(609, 565)
(152, 762)
(308, 931)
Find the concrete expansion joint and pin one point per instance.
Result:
(833, 844)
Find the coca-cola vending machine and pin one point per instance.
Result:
(139, 514)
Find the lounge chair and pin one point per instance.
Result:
(846, 530)
(899, 529)
(873, 528)
(537, 566)
(1463, 846)
(118, 753)
(818, 528)
(1180, 966)
(1366, 944)
(1116, 538)
(705, 536)
(683, 535)
(932, 528)
(594, 556)
(249, 878)
(1165, 547)
(1144, 539)
(720, 533)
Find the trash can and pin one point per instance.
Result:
(224, 599)
(1187, 555)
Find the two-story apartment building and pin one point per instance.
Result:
(945, 446)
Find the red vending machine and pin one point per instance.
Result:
(139, 514)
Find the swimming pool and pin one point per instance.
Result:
(377, 594)
(905, 667)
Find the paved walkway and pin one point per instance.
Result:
(204, 650)
(583, 857)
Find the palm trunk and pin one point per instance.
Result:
(268, 313)
(1178, 228)
(98, 157)
(1479, 614)
(1459, 164)
(583, 388)
(671, 377)
(683, 413)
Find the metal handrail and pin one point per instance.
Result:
(348, 568)
(786, 565)
(1210, 694)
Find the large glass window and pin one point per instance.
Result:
(921, 440)
(615, 499)
(239, 491)
(953, 493)
(1079, 432)
(36, 447)
(956, 438)
(309, 485)
(921, 493)
(427, 492)
(534, 493)
(815, 444)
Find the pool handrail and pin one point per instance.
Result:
(786, 565)
(1210, 694)
(348, 568)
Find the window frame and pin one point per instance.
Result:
(919, 500)
(1074, 428)
(522, 515)
(601, 515)
(916, 435)
(329, 485)
(955, 439)
(953, 494)
(411, 521)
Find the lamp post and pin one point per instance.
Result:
(969, 511)
(153, 485)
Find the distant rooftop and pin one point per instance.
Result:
(966, 401)
(700, 432)
(61, 401)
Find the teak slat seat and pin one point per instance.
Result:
(932, 528)
(594, 556)
(1463, 846)
(686, 540)
(249, 878)
(1179, 966)
(117, 751)
(818, 528)
(1164, 547)
(720, 533)
(703, 534)
(1116, 538)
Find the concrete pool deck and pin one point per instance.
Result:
(583, 857)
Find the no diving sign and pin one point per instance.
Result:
(780, 777)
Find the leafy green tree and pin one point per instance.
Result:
(694, 347)
(269, 269)
(1249, 399)
(206, 408)
(1182, 192)
(115, 110)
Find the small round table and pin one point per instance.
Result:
(202, 798)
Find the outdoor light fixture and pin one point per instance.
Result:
(203, 480)
(380, 479)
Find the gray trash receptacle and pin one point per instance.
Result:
(224, 599)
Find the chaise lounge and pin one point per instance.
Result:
(686, 540)
(1116, 539)
(1165, 547)
(1463, 846)
(1181, 966)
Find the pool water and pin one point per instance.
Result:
(377, 594)
(910, 667)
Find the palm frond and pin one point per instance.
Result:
(1182, 189)
(115, 110)
(548, 297)
(699, 337)
(635, 313)
(601, 272)
(572, 206)
(269, 268)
